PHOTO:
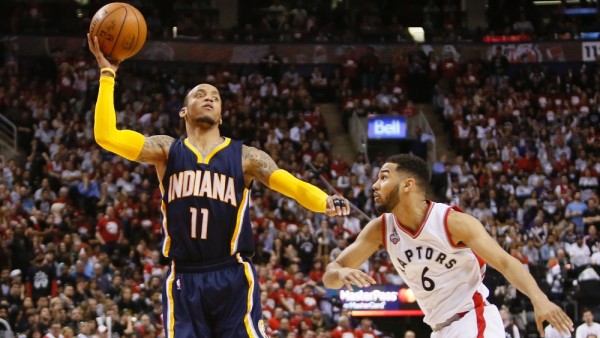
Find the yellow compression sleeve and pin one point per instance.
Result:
(311, 197)
(126, 143)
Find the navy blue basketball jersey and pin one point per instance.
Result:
(205, 203)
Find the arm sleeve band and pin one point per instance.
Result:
(126, 143)
(311, 197)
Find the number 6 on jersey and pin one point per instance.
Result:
(204, 230)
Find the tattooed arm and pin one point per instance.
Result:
(155, 149)
(258, 165)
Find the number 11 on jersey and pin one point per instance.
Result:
(204, 230)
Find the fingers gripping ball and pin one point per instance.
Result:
(121, 30)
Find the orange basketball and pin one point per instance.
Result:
(121, 30)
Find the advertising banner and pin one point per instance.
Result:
(378, 300)
(196, 50)
(387, 127)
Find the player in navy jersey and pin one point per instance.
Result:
(211, 289)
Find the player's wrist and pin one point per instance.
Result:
(108, 72)
(539, 300)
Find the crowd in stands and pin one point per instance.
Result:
(80, 228)
(307, 21)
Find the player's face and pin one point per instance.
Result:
(386, 190)
(203, 105)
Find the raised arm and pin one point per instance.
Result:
(343, 271)
(259, 165)
(468, 230)
(127, 143)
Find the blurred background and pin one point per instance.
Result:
(501, 98)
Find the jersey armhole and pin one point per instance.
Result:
(452, 244)
(383, 231)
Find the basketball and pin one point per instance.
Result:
(121, 30)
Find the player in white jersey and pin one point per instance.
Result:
(440, 252)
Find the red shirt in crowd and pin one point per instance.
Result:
(340, 332)
(109, 229)
(368, 333)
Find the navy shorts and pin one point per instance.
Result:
(216, 300)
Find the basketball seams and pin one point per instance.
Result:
(139, 30)
(123, 34)
(120, 30)
(101, 23)
(96, 28)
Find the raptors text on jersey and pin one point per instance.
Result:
(444, 276)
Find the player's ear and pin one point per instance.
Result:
(408, 184)
(182, 112)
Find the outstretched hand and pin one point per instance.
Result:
(350, 277)
(103, 62)
(337, 206)
(550, 312)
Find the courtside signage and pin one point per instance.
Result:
(387, 127)
(379, 300)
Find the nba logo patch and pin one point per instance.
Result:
(178, 283)
(394, 238)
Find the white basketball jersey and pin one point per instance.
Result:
(445, 278)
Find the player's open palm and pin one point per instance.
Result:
(550, 312)
(350, 277)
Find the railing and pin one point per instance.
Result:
(8, 134)
(332, 190)
(420, 121)
(5, 329)
(358, 134)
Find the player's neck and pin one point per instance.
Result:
(411, 212)
(204, 139)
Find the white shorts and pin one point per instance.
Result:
(485, 324)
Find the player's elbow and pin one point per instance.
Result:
(102, 136)
(101, 140)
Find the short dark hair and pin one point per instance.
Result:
(414, 165)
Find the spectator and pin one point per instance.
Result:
(271, 63)
(557, 274)
(589, 327)
(41, 279)
(365, 329)
(511, 330)
(321, 320)
(343, 329)
(574, 212)
(549, 249)
(410, 334)
(551, 332)
(592, 215)
(579, 252)
(109, 231)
